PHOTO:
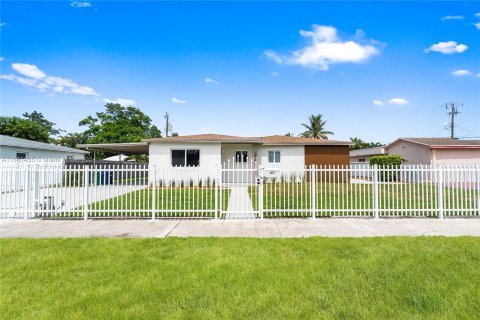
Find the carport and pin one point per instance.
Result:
(130, 148)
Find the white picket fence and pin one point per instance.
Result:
(238, 190)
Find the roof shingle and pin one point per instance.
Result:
(275, 139)
(442, 142)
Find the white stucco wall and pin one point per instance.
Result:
(160, 153)
(290, 156)
(412, 152)
(456, 156)
(7, 152)
(228, 152)
(160, 157)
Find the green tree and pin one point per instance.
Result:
(33, 126)
(119, 124)
(72, 139)
(360, 144)
(47, 125)
(316, 128)
(288, 134)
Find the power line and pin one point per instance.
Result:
(471, 131)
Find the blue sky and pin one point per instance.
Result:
(269, 64)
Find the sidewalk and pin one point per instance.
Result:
(274, 228)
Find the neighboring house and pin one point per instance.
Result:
(363, 155)
(117, 158)
(436, 150)
(16, 148)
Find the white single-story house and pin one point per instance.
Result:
(210, 150)
(16, 148)
(436, 151)
(363, 155)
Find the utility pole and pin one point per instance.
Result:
(453, 106)
(167, 125)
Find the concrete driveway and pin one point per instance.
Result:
(278, 228)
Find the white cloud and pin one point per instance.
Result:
(34, 77)
(275, 74)
(461, 73)
(3, 24)
(326, 49)
(477, 25)
(123, 102)
(177, 101)
(1, 59)
(211, 81)
(447, 47)
(452, 18)
(80, 4)
(478, 75)
(477, 14)
(378, 102)
(398, 101)
(29, 70)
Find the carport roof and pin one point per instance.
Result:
(125, 148)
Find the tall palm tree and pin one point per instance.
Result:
(316, 128)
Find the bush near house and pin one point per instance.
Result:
(387, 162)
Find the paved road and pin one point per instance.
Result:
(278, 228)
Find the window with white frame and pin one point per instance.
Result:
(241, 156)
(274, 156)
(22, 155)
(185, 158)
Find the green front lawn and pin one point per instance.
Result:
(212, 278)
(357, 196)
(170, 202)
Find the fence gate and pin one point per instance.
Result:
(241, 178)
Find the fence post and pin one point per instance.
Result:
(154, 192)
(440, 191)
(313, 181)
(86, 174)
(216, 181)
(477, 167)
(375, 191)
(28, 192)
(260, 193)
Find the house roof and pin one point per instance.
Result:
(268, 140)
(29, 144)
(440, 143)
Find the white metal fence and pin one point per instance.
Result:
(238, 190)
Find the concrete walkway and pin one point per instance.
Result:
(239, 203)
(274, 228)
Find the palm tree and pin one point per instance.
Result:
(316, 128)
(360, 144)
(288, 134)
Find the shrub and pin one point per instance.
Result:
(387, 161)
(386, 164)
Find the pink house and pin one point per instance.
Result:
(436, 150)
